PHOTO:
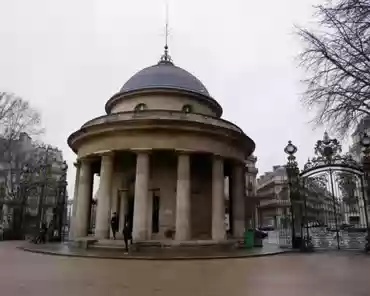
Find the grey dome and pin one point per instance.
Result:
(164, 75)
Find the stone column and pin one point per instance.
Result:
(140, 225)
(238, 200)
(72, 222)
(83, 209)
(183, 198)
(102, 226)
(122, 209)
(218, 199)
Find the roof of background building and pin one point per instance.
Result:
(278, 171)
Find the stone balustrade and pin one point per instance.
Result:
(163, 115)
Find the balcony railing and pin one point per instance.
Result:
(274, 203)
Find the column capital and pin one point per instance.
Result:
(142, 150)
(218, 156)
(104, 153)
(85, 159)
(107, 157)
(108, 153)
(184, 151)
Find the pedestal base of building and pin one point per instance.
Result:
(168, 245)
(116, 251)
(83, 242)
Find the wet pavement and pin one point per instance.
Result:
(315, 274)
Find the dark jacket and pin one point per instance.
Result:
(114, 222)
(126, 233)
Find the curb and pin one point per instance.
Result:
(136, 257)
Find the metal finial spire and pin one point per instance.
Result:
(166, 56)
(326, 137)
(166, 27)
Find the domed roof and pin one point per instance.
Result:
(164, 75)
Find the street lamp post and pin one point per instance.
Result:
(365, 142)
(292, 171)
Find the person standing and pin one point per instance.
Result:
(126, 235)
(114, 224)
(43, 233)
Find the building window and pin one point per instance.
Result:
(187, 108)
(140, 107)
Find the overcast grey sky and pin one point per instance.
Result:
(68, 57)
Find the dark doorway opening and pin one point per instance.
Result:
(129, 219)
(155, 214)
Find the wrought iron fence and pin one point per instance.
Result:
(329, 204)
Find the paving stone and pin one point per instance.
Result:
(316, 274)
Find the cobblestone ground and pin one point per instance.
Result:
(339, 274)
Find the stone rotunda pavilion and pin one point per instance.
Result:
(162, 152)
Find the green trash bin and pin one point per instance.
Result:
(249, 239)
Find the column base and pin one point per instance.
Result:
(238, 231)
(80, 232)
(181, 239)
(102, 234)
(140, 236)
(184, 235)
(219, 237)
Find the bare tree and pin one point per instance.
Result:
(17, 116)
(17, 120)
(337, 59)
